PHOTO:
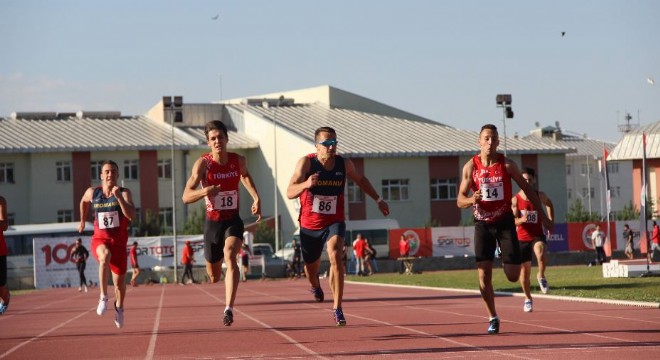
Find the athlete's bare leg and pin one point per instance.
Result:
(335, 250)
(541, 258)
(214, 271)
(232, 277)
(485, 271)
(120, 289)
(525, 271)
(103, 254)
(312, 272)
(512, 271)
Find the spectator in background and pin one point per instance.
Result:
(187, 259)
(369, 256)
(135, 265)
(358, 247)
(404, 252)
(597, 241)
(245, 261)
(630, 248)
(655, 241)
(79, 255)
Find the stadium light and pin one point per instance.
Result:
(504, 101)
(172, 108)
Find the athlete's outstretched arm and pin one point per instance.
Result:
(513, 171)
(85, 201)
(366, 186)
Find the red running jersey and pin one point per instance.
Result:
(495, 185)
(532, 227)
(224, 205)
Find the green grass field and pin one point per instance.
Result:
(578, 281)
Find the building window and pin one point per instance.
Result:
(568, 169)
(355, 194)
(586, 169)
(63, 170)
(569, 192)
(165, 217)
(615, 191)
(165, 169)
(130, 169)
(395, 189)
(444, 189)
(588, 193)
(6, 173)
(64, 216)
(96, 167)
(612, 167)
(10, 218)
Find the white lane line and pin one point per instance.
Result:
(154, 330)
(8, 352)
(285, 336)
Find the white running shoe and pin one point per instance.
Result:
(103, 304)
(528, 307)
(543, 284)
(119, 317)
(85, 287)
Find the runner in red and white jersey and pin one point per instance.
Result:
(319, 180)
(219, 173)
(488, 176)
(531, 237)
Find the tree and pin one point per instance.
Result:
(195, 223)
(264, 234)
(150, 226)
(629, 212)
(577, 213)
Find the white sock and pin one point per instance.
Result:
(493, 318)
(229, 308)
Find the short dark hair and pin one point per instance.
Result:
(530, 172)
(111, 163)
(324, 129)
(489, 127)
(215, 125)
(135, 243)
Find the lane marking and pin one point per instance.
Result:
(154, 330)
(267, 326)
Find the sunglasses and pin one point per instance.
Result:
(329, 142)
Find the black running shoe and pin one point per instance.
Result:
(228, 318)
(338, 315)
(318, 294)
(494, 326)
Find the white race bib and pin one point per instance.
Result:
(226, 200)
(324, 204)
(530, 216)
(492, 191)
(108, 219)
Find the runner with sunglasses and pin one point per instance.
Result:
(319, 180)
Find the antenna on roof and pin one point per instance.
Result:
(627, 126)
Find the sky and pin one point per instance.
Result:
(443, 60)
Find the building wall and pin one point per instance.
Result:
(18, 194)
(444, 212)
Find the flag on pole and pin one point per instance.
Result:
(643, 226)
(608, 191)
(608, 201)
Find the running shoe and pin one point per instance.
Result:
(494, 326)
(318, 293)
(338, 315)
(119, 317)
(228, 318)
(3, 308)
(543, 283)
(103, 304)
(498, 252)
(528, 307)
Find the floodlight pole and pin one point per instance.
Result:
(275, 197)
(504, 101)
(169, 106)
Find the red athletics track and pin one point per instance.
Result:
(279, 320)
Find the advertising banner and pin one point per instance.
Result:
(558, 239)
(453, 241)
(157, 251)
(53, 267)
(419, 239)
(579, 236)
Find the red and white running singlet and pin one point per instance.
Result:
(224, 205)
(495, 185)
(532, 227)
(323, 204)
